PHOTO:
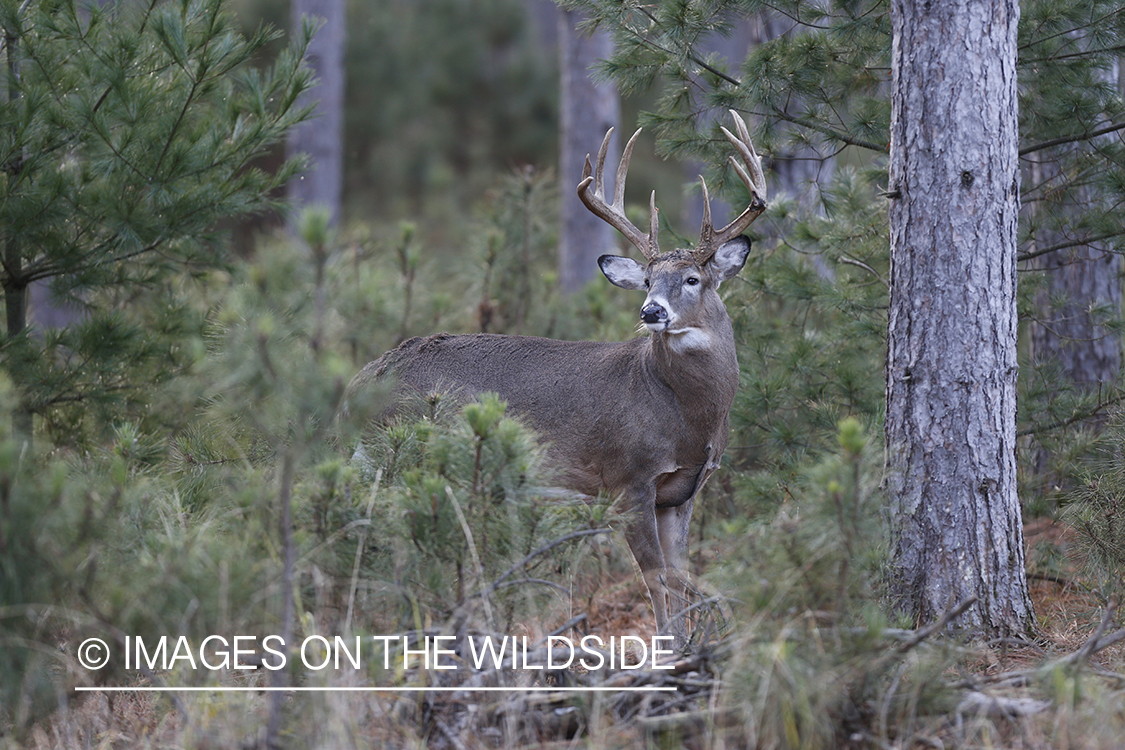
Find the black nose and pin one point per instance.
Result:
(653, 313)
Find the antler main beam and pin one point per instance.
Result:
(709, 238)
(614, 214)
(755, 181)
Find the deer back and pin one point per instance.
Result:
(608, 413)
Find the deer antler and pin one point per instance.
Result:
(614, 214)
(755, 181)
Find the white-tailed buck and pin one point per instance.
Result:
(645, 419)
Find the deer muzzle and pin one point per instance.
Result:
(653, 313)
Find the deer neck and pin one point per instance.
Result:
(699, 365)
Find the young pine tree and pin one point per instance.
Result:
(127, 132)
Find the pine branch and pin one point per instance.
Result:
(1077, 138)
(1073, 419)
(1064, 245)
(542, 550)
(922, 634)
(1089, 53)
(831, 133)
(1073, 31)
(691, 56)
(1096, 642)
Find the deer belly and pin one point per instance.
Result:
(677, 487)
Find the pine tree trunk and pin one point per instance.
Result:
(586, 110)
(954, 512)
(322, 136)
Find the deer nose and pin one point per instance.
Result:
(653, 313)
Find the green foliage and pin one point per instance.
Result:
(808, 338)
(519, 294)
(465, 513)
(520, 226)
(133, 539)
(814, 656)
(126, 134)
(102, 546)
(1094, 509)
(815, 553)
(224, 505)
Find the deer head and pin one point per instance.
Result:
(679, 281)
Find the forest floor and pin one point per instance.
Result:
(1066, 605)
(1069, 613)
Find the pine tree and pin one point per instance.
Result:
(954, 515)
(127, 134)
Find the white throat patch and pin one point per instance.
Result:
(688, 339)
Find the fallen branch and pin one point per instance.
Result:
(998, 707)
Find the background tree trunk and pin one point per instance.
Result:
(1071, 334)
(951, 364)
(1083, 282)
(1085, 278)
(586, 110)
(322, 136)
(16, 285)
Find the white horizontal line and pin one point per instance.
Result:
(142, 689)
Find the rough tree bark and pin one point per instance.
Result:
(954, 514)
(586, 110)
(322, 136)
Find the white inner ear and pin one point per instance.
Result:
(730, 257)
(623, 272)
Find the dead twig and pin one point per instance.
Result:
(1096, 642)
(542, 550)
(923, 633)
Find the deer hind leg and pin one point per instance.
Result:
(673, 526)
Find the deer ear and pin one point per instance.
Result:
(731, 257)
(623, 272)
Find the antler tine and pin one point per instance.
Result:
(755, 181)
(614, 214)
(622, 172)
(706, 232)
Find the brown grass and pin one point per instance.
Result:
(1088, 711)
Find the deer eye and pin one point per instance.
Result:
(691, 281)
(646, 283)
